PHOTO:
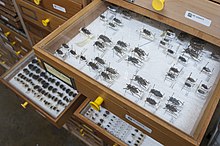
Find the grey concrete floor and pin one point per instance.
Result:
(25, 127)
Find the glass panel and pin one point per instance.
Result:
(159, 68)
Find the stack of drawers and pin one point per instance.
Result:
(43, 16)
(15, 44)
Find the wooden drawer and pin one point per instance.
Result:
(37, 15)
(122, 92)
(10, 2)
(14, 21)
(66, 8)
(7, 57)
(34, 38)
(7, 5)
(64, 114)
(8, 11)
(14, 36)
(34, 29)
(205, 12)
(81, 130)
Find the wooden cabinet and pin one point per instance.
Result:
(46, 15)
(74, 48)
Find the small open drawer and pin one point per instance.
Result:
(112, 128)
(50, 96)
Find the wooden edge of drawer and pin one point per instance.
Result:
(98, 130)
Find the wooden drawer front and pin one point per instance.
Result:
(7, 5)
(14, 36)
(66, 8)
(176, 10)
(8, 2)
(34, 38)
(36, 15)
(82, 131)
(9, 19)
(8, 11)
(34, 29)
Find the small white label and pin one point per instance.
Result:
(59, 8)
(138, 123)
(2, 3)
(10, 47)
(3, 36)
(18, 39)
(197, 18)
(3, 17)
(24, 49)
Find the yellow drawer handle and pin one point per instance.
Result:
(96, 104)
(18, 52)
(0, 55)
(13, 43)
(45, 22)
(82, 132)
(37, 2)
(158, 5)
(7, 33)
(24, 105)
(115, 144)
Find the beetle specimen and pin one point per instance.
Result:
(175, 101)
(132, 89)
(118, 50)
(105, 76)
(170, 75)
(112, 8)
(147, 34)
(102, 17)
(100, 60)
(151, 101)
(182, 36)
(111, 71)
(72, 52)
(197, 43)
(93, 65)
(99, 45)
(85, 31)
(105, 39)
(170, 51)
(141, 53)
(157, 93)
(141, 81)
(170, 33)
(126, 14)
(65, 45)
(112, 25)
(182, 59)
(175, 70)
(192, 53)
(59, 52)
(171, 108)
(206, 69)
(117, 21)
(134, 60)
(122, 44)
(165, 44)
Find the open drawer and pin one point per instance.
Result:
(164, 79)
(50, 96)
(111, 128)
